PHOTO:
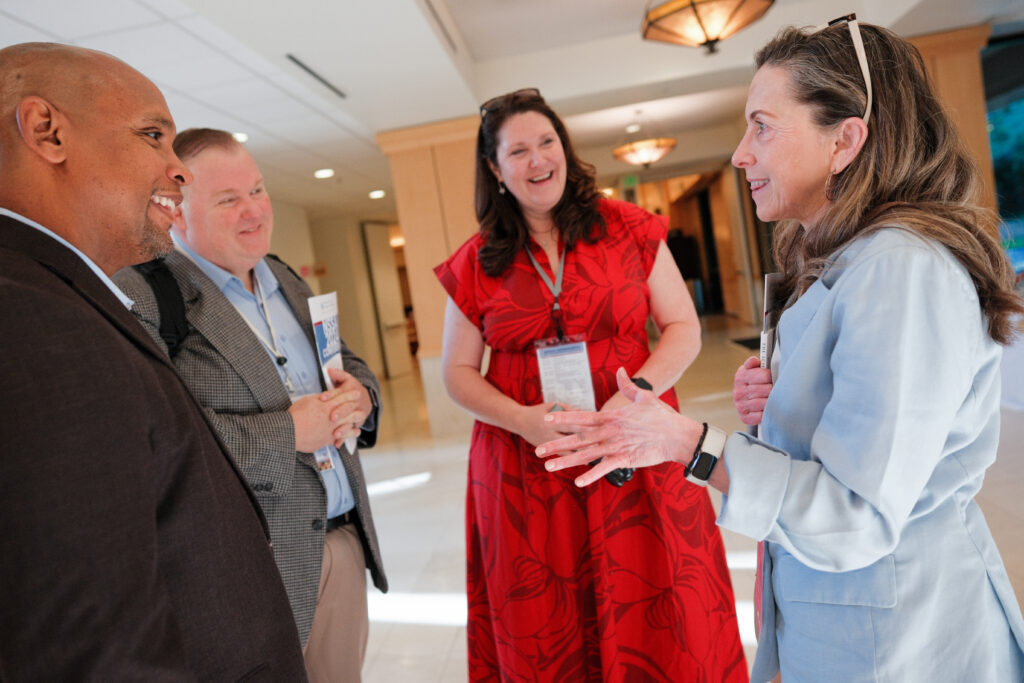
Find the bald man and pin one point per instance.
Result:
(132, 547)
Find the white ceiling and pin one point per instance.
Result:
(223, 63)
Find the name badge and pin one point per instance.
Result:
(565, 373)
(323, 459)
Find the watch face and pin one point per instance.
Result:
(703, 465)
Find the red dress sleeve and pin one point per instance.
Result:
(459, 276)
(646, 228)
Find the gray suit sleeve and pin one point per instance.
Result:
(144, 306)
(358, 368)
(262, 444)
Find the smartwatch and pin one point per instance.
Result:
(706, 455)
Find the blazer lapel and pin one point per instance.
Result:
(296, 293)
(66, 265)
(797, 318)
(213, 316)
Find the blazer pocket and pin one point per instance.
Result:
(872, 586)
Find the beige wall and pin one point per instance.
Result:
(291, 241)
(953, 61)
(334, 245)
(339, 248)
(432, 167)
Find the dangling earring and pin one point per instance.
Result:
(501, 187)
(831, 191)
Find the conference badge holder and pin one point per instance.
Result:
(565, 372)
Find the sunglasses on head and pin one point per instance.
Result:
(496, 102)
(858, 46)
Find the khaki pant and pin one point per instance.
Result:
(341, 624)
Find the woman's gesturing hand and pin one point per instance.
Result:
(643, 433)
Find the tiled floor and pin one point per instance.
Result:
(418, 634)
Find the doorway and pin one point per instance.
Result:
(392, 305)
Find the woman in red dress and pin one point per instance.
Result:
(625, 581)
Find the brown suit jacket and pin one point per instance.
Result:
(132, 548)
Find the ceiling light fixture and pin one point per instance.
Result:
(642, 150)
(377, 194)
(700, 23)
(240, 137)
(324, 173)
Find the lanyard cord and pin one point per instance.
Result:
(272, 345)
(555, 289)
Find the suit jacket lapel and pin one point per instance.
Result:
(214, 316)
(797, 318)
(66, 265)
(297, 295)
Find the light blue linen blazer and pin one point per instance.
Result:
(881, 422)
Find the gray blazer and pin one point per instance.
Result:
(231, 374)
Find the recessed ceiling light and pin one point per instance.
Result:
(377, 194)
(241, 137)
(324, 173)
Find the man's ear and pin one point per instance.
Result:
(851, 135)
(42, 128)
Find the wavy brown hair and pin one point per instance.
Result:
(913, 172)
(502, 224)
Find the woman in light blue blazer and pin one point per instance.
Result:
(879, 412)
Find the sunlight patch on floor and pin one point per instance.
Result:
(410, 481)
(435, 609)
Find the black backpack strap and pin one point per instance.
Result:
(173, 323)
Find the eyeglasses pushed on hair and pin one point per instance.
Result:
(858, 46)
(492, 104)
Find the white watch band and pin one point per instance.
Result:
(698, 471)
(714, 442)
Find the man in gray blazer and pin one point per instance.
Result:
(250, 358)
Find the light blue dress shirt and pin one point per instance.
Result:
(301, 373)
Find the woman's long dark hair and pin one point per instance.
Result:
(502, 224)
(913, 171)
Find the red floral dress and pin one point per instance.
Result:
(594, 584)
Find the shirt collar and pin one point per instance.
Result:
(225, 280)
(88, 261)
